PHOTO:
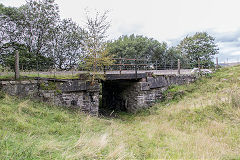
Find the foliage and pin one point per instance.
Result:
(137, 46)
(140, 47)
(1, 68)
(40, 18)
(28, 61)
(102, 60)
(200, 46)
(68, 46)
(48, 86)
(11, 29)
(44, 41)
(97, 56)
(35, 30)
(27, 29)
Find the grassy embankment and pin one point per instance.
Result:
(32, 75)
(202, 121)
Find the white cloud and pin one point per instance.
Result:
(236, 53)
(13, 3)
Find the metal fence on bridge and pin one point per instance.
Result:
(119, 66)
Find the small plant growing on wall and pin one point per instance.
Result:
(48, 86)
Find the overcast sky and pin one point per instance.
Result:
(164, 20)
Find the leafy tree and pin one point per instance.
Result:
(141, 47)
(96, 56)
(28, 29)
(68, 44)
(134, 47)
(41, 18)
(170, 58)
(11, 29)
(27, 61)
(200, 46)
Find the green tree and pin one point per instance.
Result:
(96, 56)
(28, 29)
(200, 46)
(140, 47)
(171, 57)
(68, 44)
(136, 46)
(11, 30)
(41, 18)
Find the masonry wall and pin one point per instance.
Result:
(68, 93)
(136, 95)
(125, 95)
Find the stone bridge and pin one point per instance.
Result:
(127, 92)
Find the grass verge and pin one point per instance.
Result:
(198, 121)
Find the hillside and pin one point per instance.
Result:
(199, 120)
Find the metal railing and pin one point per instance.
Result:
(119, 66)
(125, 64)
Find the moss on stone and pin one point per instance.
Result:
(48, 86)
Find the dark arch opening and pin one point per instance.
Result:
(114, 97)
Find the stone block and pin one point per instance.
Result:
(92, 87)
(145, 86)
(73, 86)
(157, 82)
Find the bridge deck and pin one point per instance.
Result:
(110, 75)
(156, 72)
(125, 76)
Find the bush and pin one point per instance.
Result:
(1, 68)
(2, 94)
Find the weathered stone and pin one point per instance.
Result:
(93, 86)
(71, 93)
(145, 86)
(134, 95)
(125, 76)
(119, 94)
(157, 82)
(73, 86)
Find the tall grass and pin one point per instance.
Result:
(202, 121)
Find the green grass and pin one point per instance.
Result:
(59, 75)
(26, 76)
(198, 121)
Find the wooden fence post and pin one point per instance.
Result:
(216, 63)
(179, 66)
(104, 70)
(156, 65)
(17, 72)
(136, 68)
(120, 65)
(199, 67)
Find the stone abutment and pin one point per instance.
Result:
(134, 95)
